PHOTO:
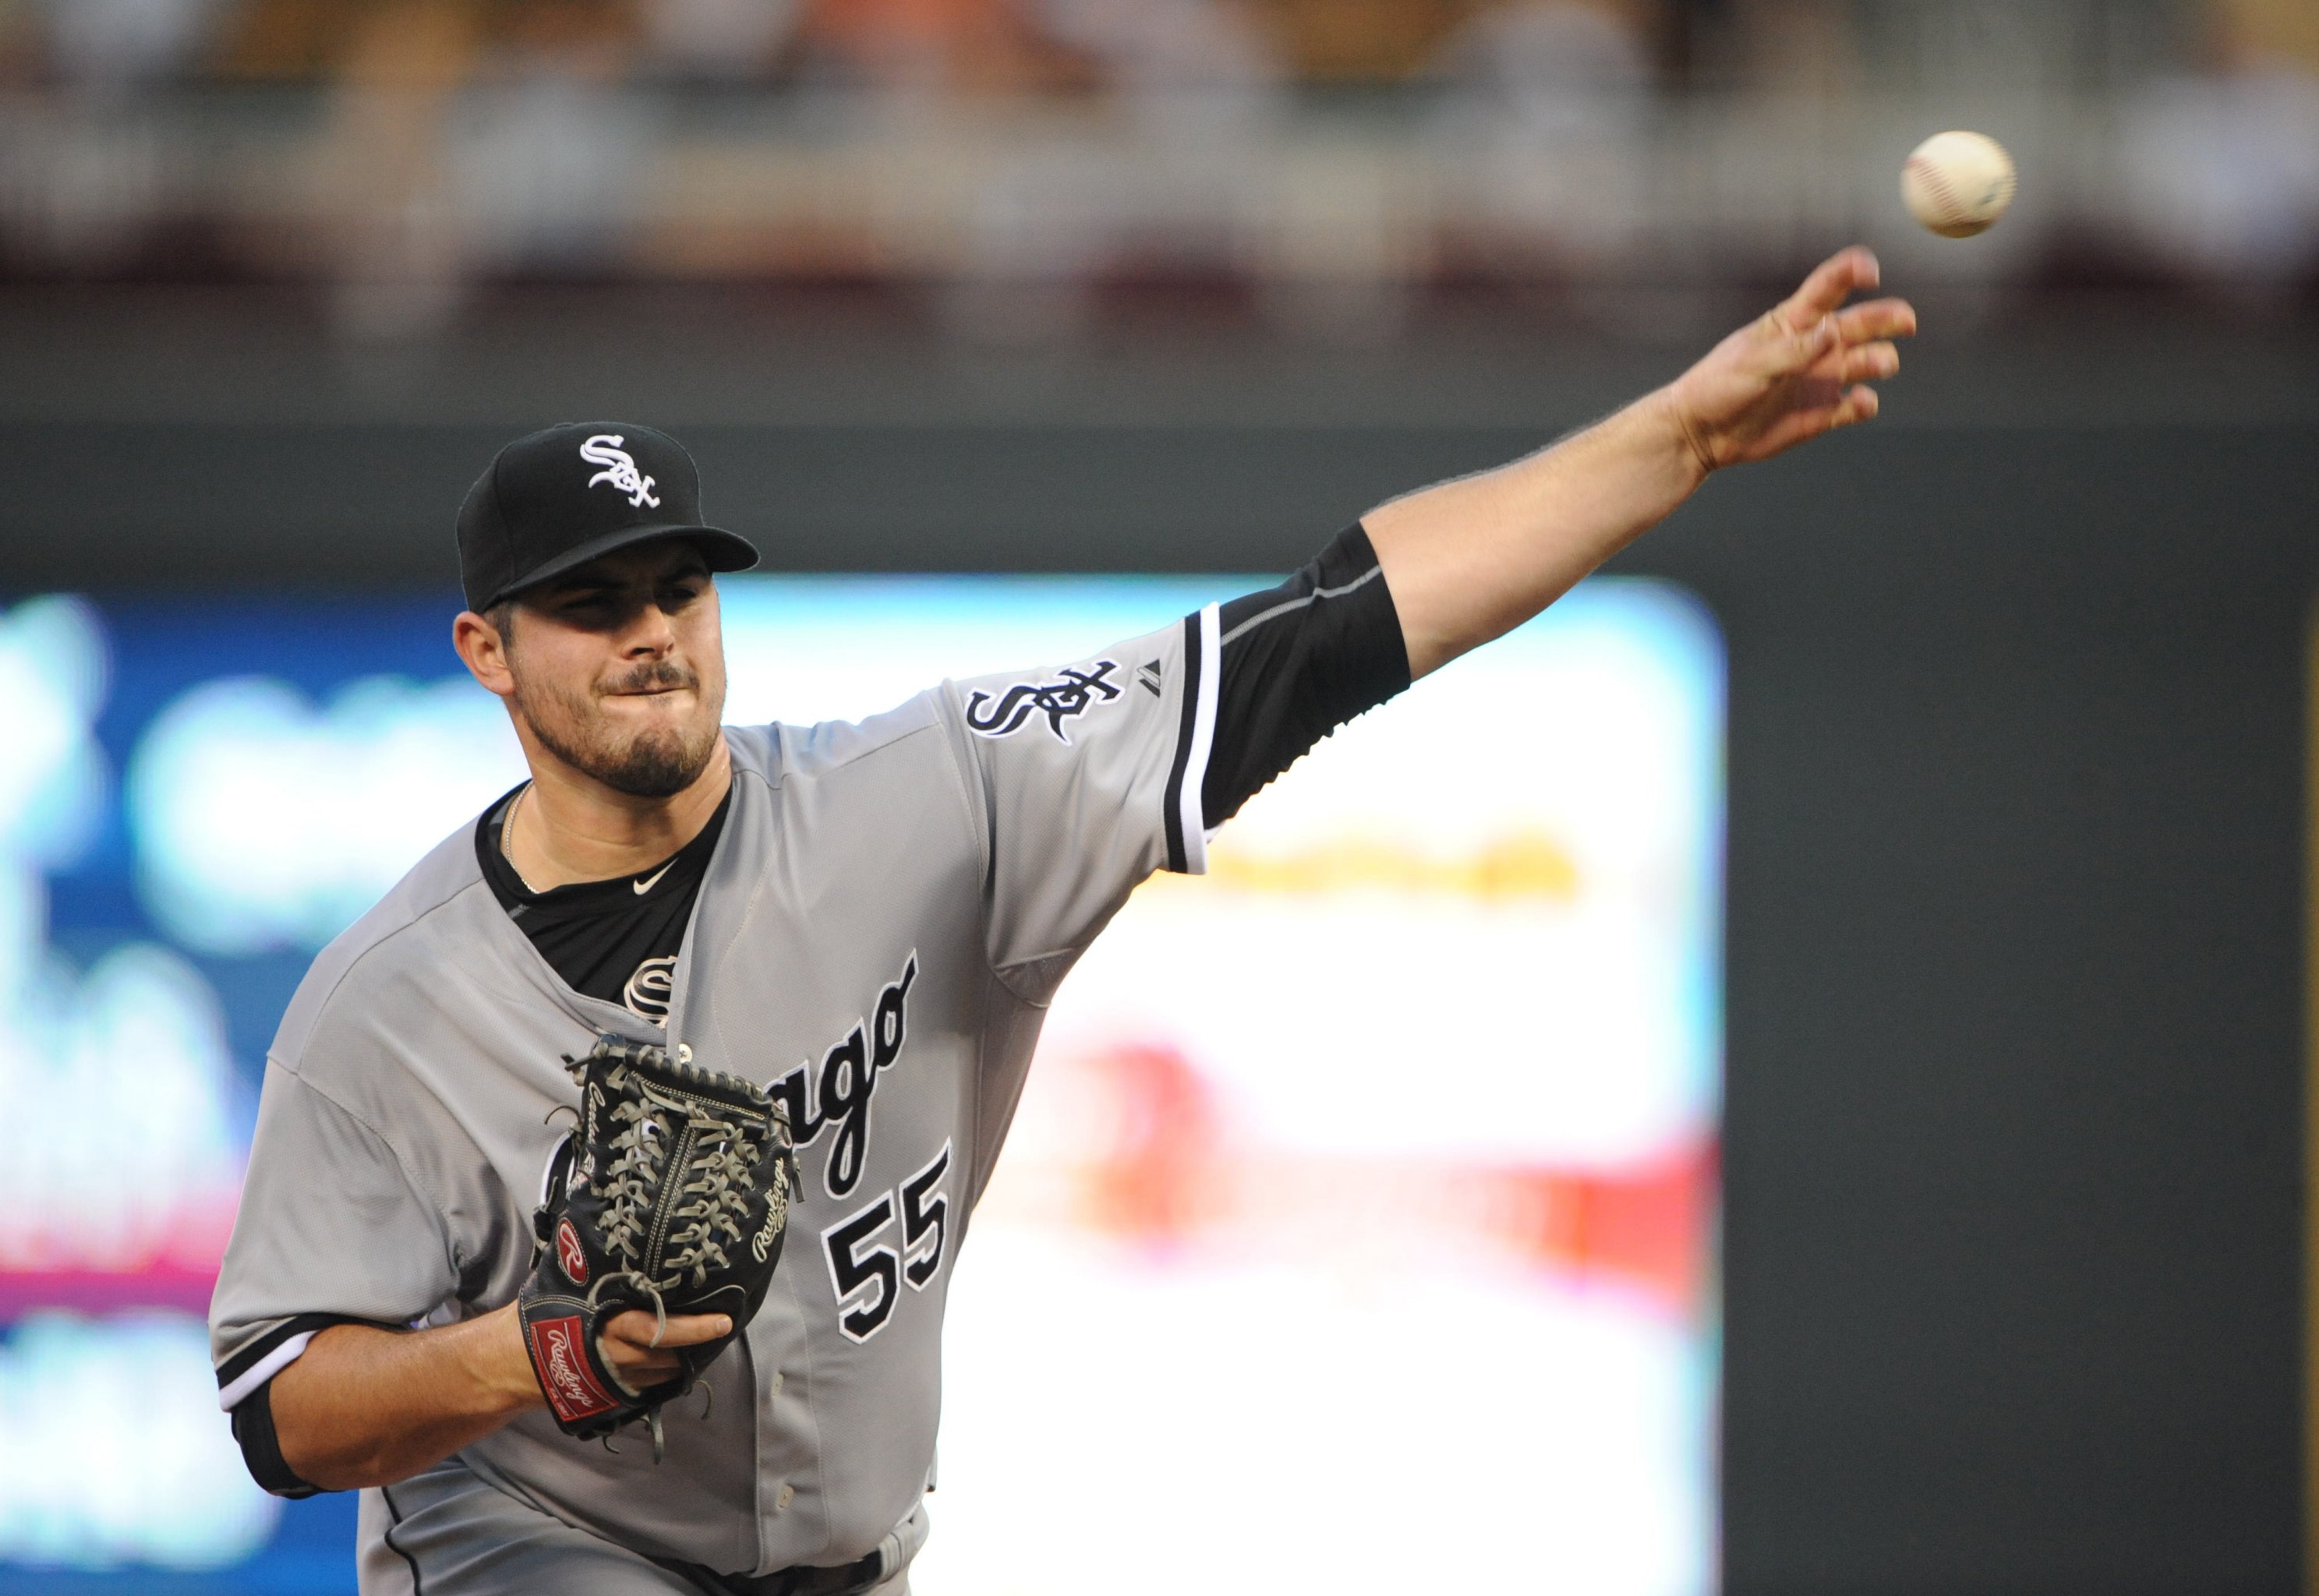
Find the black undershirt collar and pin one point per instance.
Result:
(617, 940)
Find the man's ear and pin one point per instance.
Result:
(483, 651)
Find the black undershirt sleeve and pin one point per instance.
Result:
(261, 1448)
(253, 1415)
(1298, 661)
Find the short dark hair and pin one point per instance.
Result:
(501, 615)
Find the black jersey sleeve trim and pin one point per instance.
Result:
(1185, 820)
(261, 1447)
(1294, 663)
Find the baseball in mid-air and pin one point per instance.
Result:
(1958, 183)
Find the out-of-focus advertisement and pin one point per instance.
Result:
(1356, 1230)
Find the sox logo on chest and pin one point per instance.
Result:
(868, 1268)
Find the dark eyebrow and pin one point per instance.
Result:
(585, 587)
(591, 583)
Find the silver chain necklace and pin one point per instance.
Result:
(507, 835)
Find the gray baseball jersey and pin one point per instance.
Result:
(888, 911)
(884, 916)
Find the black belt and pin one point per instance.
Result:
(853, 1579)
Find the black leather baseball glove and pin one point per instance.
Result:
(672, 1193)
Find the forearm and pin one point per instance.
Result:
(1473, 559)
(369, 1407)
(1470, 560)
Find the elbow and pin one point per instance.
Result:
(308, 1458)
(299, 1441)
(264, 1451)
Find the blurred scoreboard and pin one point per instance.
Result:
(1358, 1227)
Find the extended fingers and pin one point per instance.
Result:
(1798, 349)
(1878, 318)
(1859, 404)
(1832, 281)
(1870, 361)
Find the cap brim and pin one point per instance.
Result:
(723, 551)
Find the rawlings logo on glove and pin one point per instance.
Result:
(672, 1194)
(572, 1390)
(573, 1256)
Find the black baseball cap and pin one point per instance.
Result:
(555, 499)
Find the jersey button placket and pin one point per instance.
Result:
(783, 1497)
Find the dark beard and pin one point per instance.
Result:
(648, 768)
(652, 766)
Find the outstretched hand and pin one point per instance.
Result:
(1470, 559)
(1798, 370)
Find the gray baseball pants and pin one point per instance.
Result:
(450, 1532)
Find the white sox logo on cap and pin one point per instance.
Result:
(619, 468)
(530, 517)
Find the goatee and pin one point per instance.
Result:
(653, 765)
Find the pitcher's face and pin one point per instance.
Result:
(618, 668)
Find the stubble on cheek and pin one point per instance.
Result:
(658, 758)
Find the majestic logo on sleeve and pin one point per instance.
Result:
(1072, 695)
(620, 469)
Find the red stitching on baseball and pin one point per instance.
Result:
(1953, 209)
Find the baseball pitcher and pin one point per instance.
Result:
(611, 1173)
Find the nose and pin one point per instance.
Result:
(651, 634)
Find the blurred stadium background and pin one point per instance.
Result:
(1888, 1175)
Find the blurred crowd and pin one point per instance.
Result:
(405, 148)
(1077, 46)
